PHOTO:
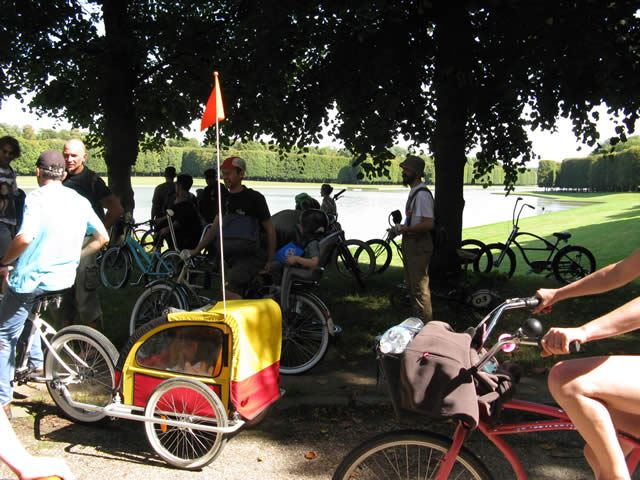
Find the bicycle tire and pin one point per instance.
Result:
(92, 358)
(115, 267)
(572, 263)
(382, 253)
(192, 402)
(483, 261)
(346, 264)
(172, 259)
(407, 455)
(155, 301)
(507, 266)
(305, 335)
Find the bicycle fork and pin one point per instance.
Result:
(449, 459)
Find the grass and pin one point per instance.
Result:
(608, 228)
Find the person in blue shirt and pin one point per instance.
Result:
(47, 247)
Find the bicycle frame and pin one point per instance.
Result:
(515, 233)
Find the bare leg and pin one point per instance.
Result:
(232, 295)
(597, 393)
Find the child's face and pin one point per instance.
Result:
(4, 189)
(190, 349)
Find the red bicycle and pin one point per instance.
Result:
(410, 454)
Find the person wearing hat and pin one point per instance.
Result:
(48, 248)
(417, 245)
(9, 151)
(245, 202)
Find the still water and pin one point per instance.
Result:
(364, 214)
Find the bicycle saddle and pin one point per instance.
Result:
(562, 235)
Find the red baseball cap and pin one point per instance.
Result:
(234, 162)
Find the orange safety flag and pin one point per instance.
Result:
(214, 109)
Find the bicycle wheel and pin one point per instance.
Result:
(407, 455)
(145, 239)
(572, 263)
(115, 267)
(172, 263)
(475, 253)
(91, 359)
(305, 335)
(381, 252)
(507, 265)
(365, 259)
(154, 301)
(193, 403)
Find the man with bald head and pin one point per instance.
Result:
(83, 302)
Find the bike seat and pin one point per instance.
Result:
(562, 235)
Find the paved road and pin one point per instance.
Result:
(322, 416)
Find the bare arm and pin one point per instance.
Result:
(305, 262)
(23, 464)
(607, 278)
(114, 210)
(271, 238)
(16, 248)
(96, 243)
(208, 237)
(425, 225)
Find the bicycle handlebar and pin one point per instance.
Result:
(337, 195)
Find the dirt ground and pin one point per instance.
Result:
(322, 416)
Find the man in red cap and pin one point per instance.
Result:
(417, 244)
(248, 208)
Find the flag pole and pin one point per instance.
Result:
(215, 108)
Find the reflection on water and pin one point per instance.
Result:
(363, 214)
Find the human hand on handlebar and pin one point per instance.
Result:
(557, 341)
(547, 298)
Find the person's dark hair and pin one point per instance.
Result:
(185, 181)
(13, 143)
(170, 172)
(210, 173)
(314, 223)
(326, 189)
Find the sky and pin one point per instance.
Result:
(550, 146)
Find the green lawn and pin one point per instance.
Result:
(606, 228)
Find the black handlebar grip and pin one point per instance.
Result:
(532, 302)
(575, 346)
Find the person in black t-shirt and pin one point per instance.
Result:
(208, 197)
(186, 220)
(83, 300)
(243, 201)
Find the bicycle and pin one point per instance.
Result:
(79, 362)
(116, 264)
(306, 320)
(470, 251)
(567, 264)
(352, 257)
(423, 454)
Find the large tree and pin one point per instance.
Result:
(451, 75)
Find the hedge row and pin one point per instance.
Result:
(612, 172)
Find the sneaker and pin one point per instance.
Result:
(7, 410)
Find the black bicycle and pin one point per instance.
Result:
(567, 264)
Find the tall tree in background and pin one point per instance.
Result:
(451, 75)
(131, 72)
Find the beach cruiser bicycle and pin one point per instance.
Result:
(182, 375)
(117, 262)
(567, 264)
(410, 454)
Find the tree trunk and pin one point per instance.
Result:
(120, 119)
(454, 41)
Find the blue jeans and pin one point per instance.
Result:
(14, 309)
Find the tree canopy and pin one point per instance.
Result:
(451, 75)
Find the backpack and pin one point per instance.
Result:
(438, 234)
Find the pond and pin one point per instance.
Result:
(363, 213)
